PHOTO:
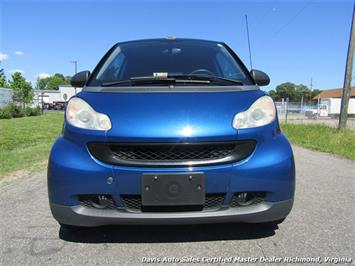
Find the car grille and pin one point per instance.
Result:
(213, 201)
(171, 154)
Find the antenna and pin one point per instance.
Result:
(247, 25)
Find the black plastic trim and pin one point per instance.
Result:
(102, 152)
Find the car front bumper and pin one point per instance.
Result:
(83, 216)
(73, 171)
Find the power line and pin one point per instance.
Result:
(293, 17)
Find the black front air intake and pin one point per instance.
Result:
(172, 154)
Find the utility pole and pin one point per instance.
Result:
(75, 69)
(247, 25)
(75, 65)
(347, 79)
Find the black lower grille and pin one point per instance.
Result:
(212, 202)
(172, 154)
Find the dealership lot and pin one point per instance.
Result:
(320, 225)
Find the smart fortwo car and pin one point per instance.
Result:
(170, 131)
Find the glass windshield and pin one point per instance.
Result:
(163, 58)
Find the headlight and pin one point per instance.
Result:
(260, 113)
(80, 114)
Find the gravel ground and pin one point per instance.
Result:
(321, 224)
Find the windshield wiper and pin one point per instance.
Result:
(138, 80)
(154, 80)
(206, 77)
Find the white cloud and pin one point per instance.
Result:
(16, 70)
(43, 75)
(19, 53)
(3, 56)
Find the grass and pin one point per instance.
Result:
(25, 142)
(322, 138)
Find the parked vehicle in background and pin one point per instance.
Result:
(55, 99)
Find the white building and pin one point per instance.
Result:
(5, 96)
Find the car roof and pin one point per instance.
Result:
(170, 38)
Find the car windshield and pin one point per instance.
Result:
(169, 58)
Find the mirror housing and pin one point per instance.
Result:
(260, 77)
(79, 79)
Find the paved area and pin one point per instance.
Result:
(327, 121)
(320, 225)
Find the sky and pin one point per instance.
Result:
(290, 40)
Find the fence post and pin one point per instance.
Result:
(286, 111)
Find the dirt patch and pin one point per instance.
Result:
(8, 178)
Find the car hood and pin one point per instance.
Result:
(173, 116)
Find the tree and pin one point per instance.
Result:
(303, 90)
(23, 91)
(52, 83)
(293, 91)
(56, 80)
(315, 93)
(3, 82)
(41, 83)
(286, 90)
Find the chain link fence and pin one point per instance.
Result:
(310, 113)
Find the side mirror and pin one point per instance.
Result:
(80, 79)
(260, 77)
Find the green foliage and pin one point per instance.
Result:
(41, 83)
(3, 82)
(25, 142)
(14, 111)
(293, 91)
(23, 91)
(5, 113)
(322, 138)
(29, 111)
(52, 83)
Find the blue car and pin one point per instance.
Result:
(170, 131)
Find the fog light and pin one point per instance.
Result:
(244, 199)
(97, 201)
(247, 198)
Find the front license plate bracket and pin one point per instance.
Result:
(173, 189)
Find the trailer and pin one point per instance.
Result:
(330, 108)
(55, 99)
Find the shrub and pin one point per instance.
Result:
(36, 111)
(29, 111)
(5, 113)
(15, 110)
(12, 110)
